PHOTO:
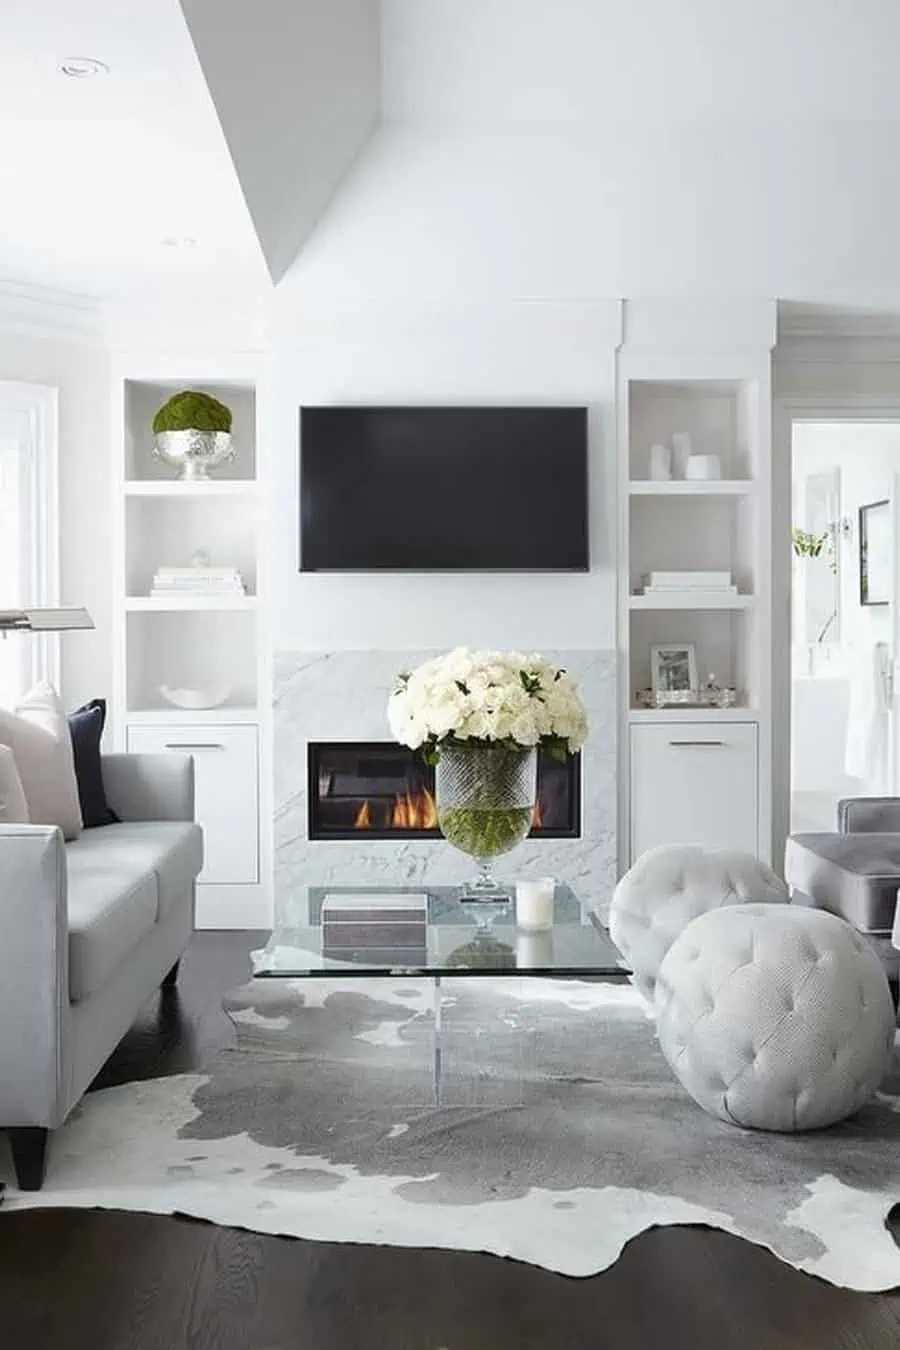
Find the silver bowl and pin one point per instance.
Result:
(193, 453)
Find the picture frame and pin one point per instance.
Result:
(876, 553)
(673, 668)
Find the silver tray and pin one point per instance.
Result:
(687, 698)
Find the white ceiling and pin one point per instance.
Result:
(96, 173)
(507, 63)
(568, 94)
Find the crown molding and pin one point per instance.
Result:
(44, 312)
(848, 334)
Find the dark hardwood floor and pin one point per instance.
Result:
(107, 1281)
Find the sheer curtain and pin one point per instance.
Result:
(28, 530)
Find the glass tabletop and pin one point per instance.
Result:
(437, 935)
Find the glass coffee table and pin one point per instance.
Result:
(456, 939)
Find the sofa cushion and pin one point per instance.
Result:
(855, 876)
(173, 849)
(121, 880)
(111, 908)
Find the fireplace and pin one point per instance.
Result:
(378, 790)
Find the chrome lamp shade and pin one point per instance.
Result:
(44, 620)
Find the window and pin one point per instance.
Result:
(29, 569)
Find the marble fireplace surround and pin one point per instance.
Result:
(342, 695)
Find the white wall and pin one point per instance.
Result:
(296, 86)
(691, 209)
(80, 371)
(868, 457)
(494, 353)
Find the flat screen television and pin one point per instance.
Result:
(443, 489)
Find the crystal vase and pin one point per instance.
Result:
(486, 797)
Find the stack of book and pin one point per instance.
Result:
(375, 928)
(657, 583)
(169, 581)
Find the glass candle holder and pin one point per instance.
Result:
(534, 904)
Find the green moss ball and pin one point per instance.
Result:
(191, 410)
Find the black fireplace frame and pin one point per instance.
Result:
(376, 833)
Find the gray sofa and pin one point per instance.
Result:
(88, 931)
(854, 872)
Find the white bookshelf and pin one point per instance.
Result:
(722, 401)
(194, 641)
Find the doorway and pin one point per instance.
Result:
(844, 622)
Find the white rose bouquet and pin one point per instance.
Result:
(512, 699)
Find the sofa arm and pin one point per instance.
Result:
(34, 976)
(150, 787)
(869, 815)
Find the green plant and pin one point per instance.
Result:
(191, 410)
(808, 545)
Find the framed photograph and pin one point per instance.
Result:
(876, 554)
(673, 668)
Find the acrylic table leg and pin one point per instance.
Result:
(437, 1041)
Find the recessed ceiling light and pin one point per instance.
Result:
(179, 241)
(83, 67)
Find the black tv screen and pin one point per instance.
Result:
(443, 489)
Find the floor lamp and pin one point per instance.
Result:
(43, 620)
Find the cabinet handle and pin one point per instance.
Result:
(194, 745)
(685, 744)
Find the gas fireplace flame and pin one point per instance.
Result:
(414, 811)
(410, 811)
(538, 821)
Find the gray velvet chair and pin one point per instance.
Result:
(854, 872)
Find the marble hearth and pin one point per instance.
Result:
(336, 696)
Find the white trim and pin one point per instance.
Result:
(49, 313)
(39, 403)
(786, 411)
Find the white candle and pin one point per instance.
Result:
(534, 903)
(534, 951)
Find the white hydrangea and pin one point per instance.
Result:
(516, 697)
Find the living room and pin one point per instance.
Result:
(375, 840)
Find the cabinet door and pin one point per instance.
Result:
(694, 783)
(227, 792)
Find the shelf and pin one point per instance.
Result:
(154, 604)
(691, 600)
(715, 487)
(222, 716)
(213, 487)
(692, 715)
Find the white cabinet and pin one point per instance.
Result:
(694, 783)
(227, 791)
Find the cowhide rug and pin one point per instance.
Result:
(561, 1134)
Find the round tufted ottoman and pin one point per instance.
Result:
(668, 887)
(775, 1017)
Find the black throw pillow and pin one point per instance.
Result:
(86, 727)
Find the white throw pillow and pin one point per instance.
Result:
(37, 733)
(13, 806)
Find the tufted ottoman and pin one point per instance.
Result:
(775, 1018)
(668, 887)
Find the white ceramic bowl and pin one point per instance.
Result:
(207, 696)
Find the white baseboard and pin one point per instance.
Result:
(234, 907)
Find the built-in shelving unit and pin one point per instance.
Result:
(695, 774)
(691, 600)
(719, 487)
(205, 641)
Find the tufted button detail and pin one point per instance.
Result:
(731, 1025)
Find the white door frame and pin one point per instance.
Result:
(786, 411)
(39, 405)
